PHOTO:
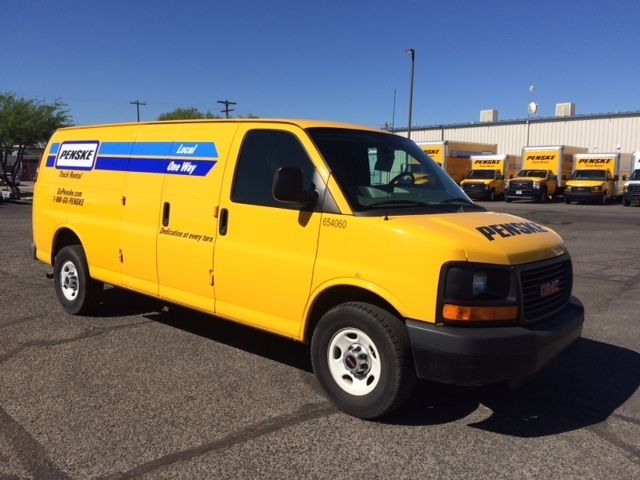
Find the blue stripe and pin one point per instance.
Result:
(114, 164)
(172, 158)
(194, 168)
(160, 149)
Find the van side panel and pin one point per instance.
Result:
(86, 199)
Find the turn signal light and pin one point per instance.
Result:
(479, 314)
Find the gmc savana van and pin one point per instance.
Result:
(311, 230)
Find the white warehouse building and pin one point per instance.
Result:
(600, 133)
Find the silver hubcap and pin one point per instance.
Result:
(354, 361)
(69, 283)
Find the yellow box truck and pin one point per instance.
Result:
(313, 231)
(595, 177)
(454, 157)
(544, 173)
(487, 176)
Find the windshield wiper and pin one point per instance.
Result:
(407, 203)
(456, 200)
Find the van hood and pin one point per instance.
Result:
(488, 237)
(584, 183)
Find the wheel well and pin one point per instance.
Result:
(342, 294)
(64, 238)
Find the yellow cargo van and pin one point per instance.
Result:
(314, 231)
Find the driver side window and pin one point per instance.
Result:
(262, 153)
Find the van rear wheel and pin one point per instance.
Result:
(77, 292)
(362, 359)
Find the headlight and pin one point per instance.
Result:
(625, 189)
(471, 293)
(506, 185)
(536, 185)
(597, 188)
(567, 188)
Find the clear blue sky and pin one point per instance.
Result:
(324, 59)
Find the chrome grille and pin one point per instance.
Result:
(545, 289)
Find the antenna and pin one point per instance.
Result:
(532, 108)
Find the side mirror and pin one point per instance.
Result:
(624, 177)
(616, 178)
(288, 187)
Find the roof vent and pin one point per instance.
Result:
(565, 109)
(488, 115)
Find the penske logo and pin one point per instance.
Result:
(77, 155)
(506, 230)
(541, 158)
(487, 162)
(594, 161)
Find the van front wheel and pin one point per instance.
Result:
(77, 292)
(362, 359)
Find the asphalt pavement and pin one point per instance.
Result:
(148, 390)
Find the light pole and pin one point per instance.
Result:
(411, 52)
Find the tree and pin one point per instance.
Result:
(26, 124)
(186, 114)
(192, 114)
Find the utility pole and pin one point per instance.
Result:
(411, 52)
(137, 104)
(226, 104)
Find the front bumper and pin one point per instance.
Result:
(631, 197)
(484, 355)
(583, 196)
(523, 195)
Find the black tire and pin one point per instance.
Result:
(567, 200)
(543, 196)
(626, 203)
(77, 292)
(492, 195)
(362, 359)
(507, 199)
(603, 200)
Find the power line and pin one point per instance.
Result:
(137, 104)
(226, 104)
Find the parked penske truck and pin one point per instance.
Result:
(544, 173)
(454, 157)
(631, 187)
(595, 177)
(487, 176)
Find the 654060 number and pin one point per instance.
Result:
(334, 222)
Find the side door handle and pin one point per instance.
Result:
(224, 221)
(166, 209)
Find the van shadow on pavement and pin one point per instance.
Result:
(582, 388)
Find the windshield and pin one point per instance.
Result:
(533, 173)
(635, 175)
(589, 175)
(481, 174)
(380, 171)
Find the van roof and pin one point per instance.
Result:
(302, 123)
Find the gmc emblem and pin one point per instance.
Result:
(550, 288)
